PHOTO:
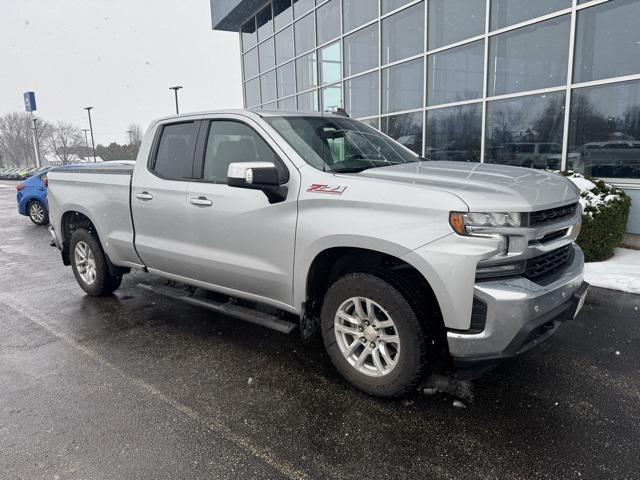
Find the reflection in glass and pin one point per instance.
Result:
(328, 21)
(361, 50)
(454, 133)
(250, 63)
(252, 93)
(331, 97)
(530, 58)
(248, 34)
(268, 86)
(604, 131)
(308, 101)
(403, 34)
(607, 41)
(270, 106)
(286, 80)
(265, 23)
(451, 21)
(282, 13)
(306, 73)
(329, 63)
(390, 5)
(357, 12)
(287, 104)
(300, 7)
(284, 45)
(456, 74)
(372, 122)
(304, 31)
(267, 55)
(526, 131)
(362, 95)
(510, 12)
(402, 86)
(406, 129)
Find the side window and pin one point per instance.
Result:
(174, 157)
(232, 142)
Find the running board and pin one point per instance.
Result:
(226, 308)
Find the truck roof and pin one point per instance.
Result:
(249, 112)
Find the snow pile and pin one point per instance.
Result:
(620, 272)
(593, 198)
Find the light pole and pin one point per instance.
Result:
(93, 145)
(175, 91)
(86, 140)
(130, 132)
(35, 139)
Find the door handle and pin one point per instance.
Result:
(144, 196)
(200, 201)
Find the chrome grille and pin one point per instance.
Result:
(542, 217)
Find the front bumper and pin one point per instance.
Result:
(520, 314)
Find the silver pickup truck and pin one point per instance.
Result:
(320, 223)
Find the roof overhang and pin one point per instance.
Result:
(230, 14)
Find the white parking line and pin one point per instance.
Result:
(213, 425)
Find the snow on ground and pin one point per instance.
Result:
(620, 272)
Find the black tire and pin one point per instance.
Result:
(38, 219)
(415, 343)
(104, 283)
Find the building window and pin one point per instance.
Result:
(357, 12)
(331, 97)
(284, 45)
(304, 31)
(530, 58)
(248, 34)
(403, 34)
(390, 5)
(306, 73)
(327, 20)
(329, 64)
(287, 104)
(308, 101)
(526, 131)
(252, 93)
(451, 21)
(604, 132)
(607, 41)
(286, 80)
(406, 129)
(282, 13)
(265, 23)
(372, 122)
(402, 86)
(250, 63)
(455, 75)
(454, 133)
(361, 50)
(267, 55)
(362, 95)
(509, 12)
(300, 7)
(268, 86)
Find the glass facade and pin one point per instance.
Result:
(493, 81)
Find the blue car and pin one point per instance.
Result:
(32, 198)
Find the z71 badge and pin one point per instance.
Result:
(329, 189)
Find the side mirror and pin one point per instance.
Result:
(256, 175)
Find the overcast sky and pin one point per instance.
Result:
(119, 56)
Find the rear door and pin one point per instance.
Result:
(159, 200)
(243, 241)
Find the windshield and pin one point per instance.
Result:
(340, 144)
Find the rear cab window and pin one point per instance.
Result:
(173, 159)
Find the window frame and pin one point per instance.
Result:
(201, 151)
(153, 156)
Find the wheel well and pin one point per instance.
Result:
(334, 263)
(72, 221)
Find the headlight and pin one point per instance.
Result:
(476, 223)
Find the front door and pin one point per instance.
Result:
(243, 242)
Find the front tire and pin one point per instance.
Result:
(373, 336)
(37, 213)
(90, 266)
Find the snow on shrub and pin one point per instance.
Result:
(605, 211)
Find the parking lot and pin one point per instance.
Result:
(139, 386)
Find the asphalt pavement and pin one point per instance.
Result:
(137, 386)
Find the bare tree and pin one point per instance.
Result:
(64, 140)
(16, 139)
(135, 133)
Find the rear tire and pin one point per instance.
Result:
(37, 213)
(384, 328)
(90, 266)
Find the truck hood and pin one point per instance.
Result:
(485, 187)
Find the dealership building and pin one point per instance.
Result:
(536, 83)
